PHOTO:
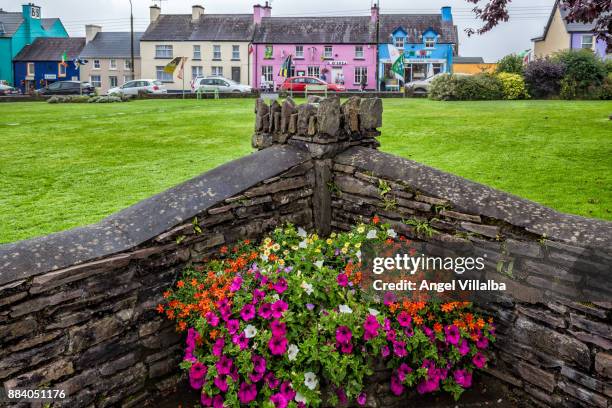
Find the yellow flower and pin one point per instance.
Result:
(358, 245)
(275, 247)
(333, 235)
(318, 250)
(267, 240)
(361, 229)
(344, 250)
(295, 248)
(286, 252)
(281, 262)
(329, 241)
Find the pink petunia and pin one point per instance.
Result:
(452, 334)
(463, 378)
(278, 308)
(279, 400)
(464, 348)
(277, 345)
(221, 383)
(224, 365)
(232, 326)
(402, 371)
(278, 328)
(259, 364)
(482, 343)
(343, 334)
(247, 393)
(236, 284)
(240, 340)
(396, 386)
(362, 398)
(280, 286)
(218, 347)
(342, 279)
(248, 312)
(404, 319)
(212, 319)
(479, 360)
(265, 311)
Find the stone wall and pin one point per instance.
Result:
(77, 307)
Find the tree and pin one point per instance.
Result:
(492, 12)
(512, 64)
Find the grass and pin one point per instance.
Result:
(63, 166)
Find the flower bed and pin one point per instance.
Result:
(284, 323)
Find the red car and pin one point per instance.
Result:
(299, 83)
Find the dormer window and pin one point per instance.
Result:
(430, 42)
(399, 42)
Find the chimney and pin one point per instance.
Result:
(91, 31)
(374, 13)
(260, 12)
(447, 14)
(196, 12)
(154, 12)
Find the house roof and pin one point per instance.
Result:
(416, 24)
(569, 27)
(11, 21)
(47, 23)
(315, 30)
(468, 60)
(210, 27)
(350, 30)
(51, 49)
(112, 45)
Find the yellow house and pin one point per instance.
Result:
(214, 44)
(472, 65)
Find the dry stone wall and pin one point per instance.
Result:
(77, 308)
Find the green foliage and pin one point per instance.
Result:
(466, 88)
(584, 73)
(543, 78)
(422, 227)
(513, 86)
(511, 64)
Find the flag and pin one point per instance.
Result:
(171, 67)
(182, 68)
(398, 66)
(250, 48)
(286, 67)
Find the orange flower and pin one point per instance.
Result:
(437, 327)
(160, 308)
(393, 307)
(418, 320)
(214, 334)
(376, 219)
(180, 284)
(223, 250)
(167, 294)
(480, 323)
(194, 282)
(170, 314)
(182, 326)
(448, 307)
(247, 242)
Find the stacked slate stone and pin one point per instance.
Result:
(322, 125)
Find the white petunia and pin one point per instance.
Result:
(250, 331)
(358, 254)
(391, 233)
(303, 244)
(374, 312)
(307, 288)
(345, 309)
(292, 352)
(319, 264)
(302, 232)
(371, 234)
(310, 380)
(300, 398)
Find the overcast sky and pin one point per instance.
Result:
(527, 17)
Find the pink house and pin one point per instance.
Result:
(338, 50)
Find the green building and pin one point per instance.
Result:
(18, 29)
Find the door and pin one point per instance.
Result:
(337, 76)
(222, 86)
(236, 74)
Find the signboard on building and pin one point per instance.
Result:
(50, 77)
(338, 62)
(35, 12)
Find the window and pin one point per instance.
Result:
(430, 42)
(216, 52)
(96, 81)
(361, 74)
(163, 51)
(269, 52)
(266, 72)
(127, 78)
(299, 51)
(359, 51)
(197, 71)
(30, 68)
(127, 65)
(112, 64)
(399, 42)
(586, 41)
(61, 70)
(217, 71)
(235, 52)
(437, 68)
(328, 51)
(163, 76)
(314, 71)
(197, 52)
(96, 64)
(113, 81)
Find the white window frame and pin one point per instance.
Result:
(589, 43)
(216, 52)
(96, 83)
(197, 52)
(197, 71)
(164, 51)
(61, 70)
(127, 65)
(267, 71)
(299, 51)
(359, 54)
(127, 78)
(162, 76)
(328, 51)
(430, 42)
(216, 71)
(314, 71)
(360, 72)
(235, 52)
(400, 42)
(112, 64)
(30, 69)
(96, 64)
(110, 81)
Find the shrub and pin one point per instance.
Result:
(466, 88)
(513, 86)
(284, 323)
(543, 78)
(443, 88)
(511, 64)
(583, 72)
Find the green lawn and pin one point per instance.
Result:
(68, 165)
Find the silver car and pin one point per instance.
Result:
(150, 86)
(220, 84)
(422, 87)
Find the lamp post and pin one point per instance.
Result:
(132, 38)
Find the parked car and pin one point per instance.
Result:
(421, 87)
(220, 84)
(150, 86)
(299, 83)
(67, 88)
(8, 90)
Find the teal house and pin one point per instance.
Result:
(18, 29)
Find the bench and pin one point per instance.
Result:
(315, 88)
(201, 91)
